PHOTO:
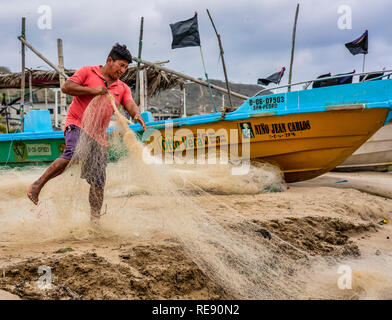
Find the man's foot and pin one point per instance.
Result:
(95, 221)
(33, 193)
(56, 168)
(95, 227)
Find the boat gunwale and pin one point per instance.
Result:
(242, 113)
(168, 124)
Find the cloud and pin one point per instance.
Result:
(256, 35)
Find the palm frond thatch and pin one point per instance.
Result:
(157, 80)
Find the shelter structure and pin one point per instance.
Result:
(157, 80)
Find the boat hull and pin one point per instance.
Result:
(303, 145)
(374, 155)
(30, 151)
(305, 133)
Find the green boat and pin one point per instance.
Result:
(38, 143)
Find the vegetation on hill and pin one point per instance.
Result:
(198, 98)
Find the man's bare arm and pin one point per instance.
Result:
(75, 89)
(133, 111)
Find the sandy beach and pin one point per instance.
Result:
(222, 244)
(154, 152)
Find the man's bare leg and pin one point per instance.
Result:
(96, 200)
(57, 167)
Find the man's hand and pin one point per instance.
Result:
(139, 119)
(99, 91)
(134, 112)
(75, 89)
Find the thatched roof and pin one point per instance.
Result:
(156, 80)
(40, 79)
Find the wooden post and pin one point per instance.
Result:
(184, 100)
(6, 119)
(148, 63)
(22, 83)
(61, 78)
(56, 104)
(223, 60)
(141, 77)
(184, 76)
(46, 98)
(28, 45)
(137, 94)
(145, 85)
(30, 90)
(292, 46)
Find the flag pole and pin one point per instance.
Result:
(363, 64)
(208, 81)
(22, 82)
(292, 46)
(137, 87)
(223, 60)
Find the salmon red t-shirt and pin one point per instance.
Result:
(95, 121)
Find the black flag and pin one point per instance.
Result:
(275, 78)
(334, 81)
(185, 33)
(359, 45)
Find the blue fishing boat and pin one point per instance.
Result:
(305, 133)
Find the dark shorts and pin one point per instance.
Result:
(71, 136)
(92, 156)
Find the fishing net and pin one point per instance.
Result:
(243, 266)
(144, 200)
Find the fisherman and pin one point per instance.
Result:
(84, 85)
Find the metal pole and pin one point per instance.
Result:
(208, 81)
(292, 46)
(326, 78)
(223, 60)
(137, 93)
(22, 84)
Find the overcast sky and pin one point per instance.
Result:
(256, 34)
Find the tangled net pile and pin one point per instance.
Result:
(143, 200)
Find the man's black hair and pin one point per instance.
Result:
(120, 52)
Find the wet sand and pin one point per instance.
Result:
(320, 218)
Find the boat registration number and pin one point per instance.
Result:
(266, 103)
(39, 149)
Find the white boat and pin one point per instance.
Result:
(374, 155)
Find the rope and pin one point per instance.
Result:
(208, 81)
(9, 152)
